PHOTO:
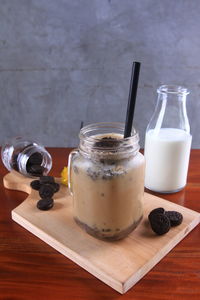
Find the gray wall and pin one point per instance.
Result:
(63, 61)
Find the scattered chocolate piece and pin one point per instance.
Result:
(46, 187)
(162, 220)
(160, 223)
(159, 210)
(175, 217)
(35, 184)
(46, 191)
(34, 166)
(108, 142)
(45, 204)
(56, 186)
(35, 170)
(35, 159)
(46, 179)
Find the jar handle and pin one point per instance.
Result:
(71, 155)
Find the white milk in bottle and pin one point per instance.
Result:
(167, 154)
(168, 142)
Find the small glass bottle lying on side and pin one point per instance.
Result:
(26, 157)
(106, 179)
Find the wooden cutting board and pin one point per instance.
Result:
(119, 264)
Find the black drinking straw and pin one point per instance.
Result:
(81, 125)
(132, 98)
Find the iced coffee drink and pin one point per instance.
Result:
(107, 182)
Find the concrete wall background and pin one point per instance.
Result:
(63, 61)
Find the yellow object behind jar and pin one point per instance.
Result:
(64, 176)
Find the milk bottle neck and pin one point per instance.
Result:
(170, 111)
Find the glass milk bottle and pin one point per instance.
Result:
(168, 141)
(106, 179)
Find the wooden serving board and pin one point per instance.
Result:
(119, 264)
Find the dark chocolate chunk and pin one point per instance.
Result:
(93, 174)
(56, 186)
(35, 159)
(47, 179)
(46, 191)
(175, 217)
(160, 223)
(108, 142)
(45, 204)
(35, 184)
(35, 170)
(159, 210)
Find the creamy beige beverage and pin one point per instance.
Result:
(108, 188)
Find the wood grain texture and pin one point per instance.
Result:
(29, 268)
(119, 264)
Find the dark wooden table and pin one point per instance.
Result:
(31, 269)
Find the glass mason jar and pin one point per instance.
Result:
(26, 157)
(106, 180)
(168, 142)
